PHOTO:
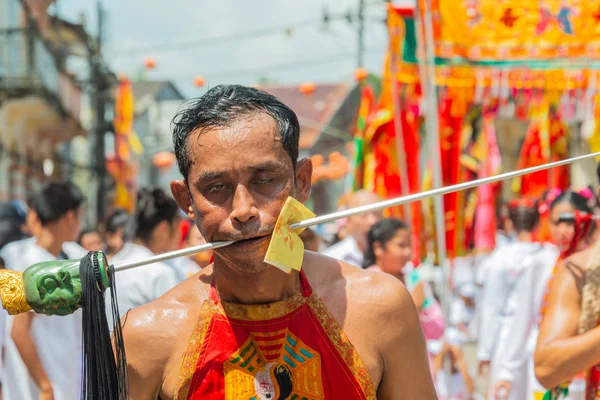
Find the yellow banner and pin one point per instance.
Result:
(517, 30)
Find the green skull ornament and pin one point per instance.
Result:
(52, 287)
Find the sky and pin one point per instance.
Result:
(234, 41)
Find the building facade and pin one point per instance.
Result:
(39, 99)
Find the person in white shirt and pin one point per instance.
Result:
(115, 231)
(43, 354)
(463, 311)
(500, 304)
(156, 230)
(352, 248)
(453, 380)
(530, 291)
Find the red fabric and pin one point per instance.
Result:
(410, 131)
(387, 170)
(184, 229)
(226, 336)
(593, 383)
(450, 125)
(534, 184)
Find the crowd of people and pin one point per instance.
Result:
(501, 308)
(42, 354)
(522, 306)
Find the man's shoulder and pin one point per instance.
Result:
(171, 316)
(374, 291)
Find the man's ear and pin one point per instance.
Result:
(304, 169)
(182, 196)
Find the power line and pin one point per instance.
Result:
(216, 40)
(219, 40)
(288, 66)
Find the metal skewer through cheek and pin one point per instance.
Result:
(364, 209)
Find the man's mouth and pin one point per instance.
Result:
(252, 240)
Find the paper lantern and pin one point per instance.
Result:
(150, 63)
(317, 160)
(307, 88)
(163, 160)
(199, 81)
(360, 74)
(335, 156)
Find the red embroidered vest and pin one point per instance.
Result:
(293, 349)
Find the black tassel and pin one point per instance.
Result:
(104, 372)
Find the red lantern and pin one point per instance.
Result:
(163, 160)
(150, 63)
(307, 88)
(199, 81)
(360, 74)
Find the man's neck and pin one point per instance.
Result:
(49, 241)
(525, 236)
(267, 286)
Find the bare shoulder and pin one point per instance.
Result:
(165, 322)
(368, 294)
(579, 259)
(572, 271)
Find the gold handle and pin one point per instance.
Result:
(12, 292)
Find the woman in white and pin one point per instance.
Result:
(529, 291)
(499, 299)
(156, 230)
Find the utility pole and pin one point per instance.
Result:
(361, 32)
(96, 192)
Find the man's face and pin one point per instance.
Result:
(239, 180)
(92, 241)
(115, 240)
(71, 224)
(359, 225)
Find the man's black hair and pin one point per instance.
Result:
(153, 206)
(118, 219)
(225, 104)
(54, 200)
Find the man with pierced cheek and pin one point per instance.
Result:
(242, 328)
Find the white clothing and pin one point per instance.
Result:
(461, 314)
(138, 286)
(184, 267)
(503, 239)
(502, 303)
(450, 386)
(523, 328)
(57, 339)
(347, 250)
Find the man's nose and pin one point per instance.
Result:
(243, 208)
